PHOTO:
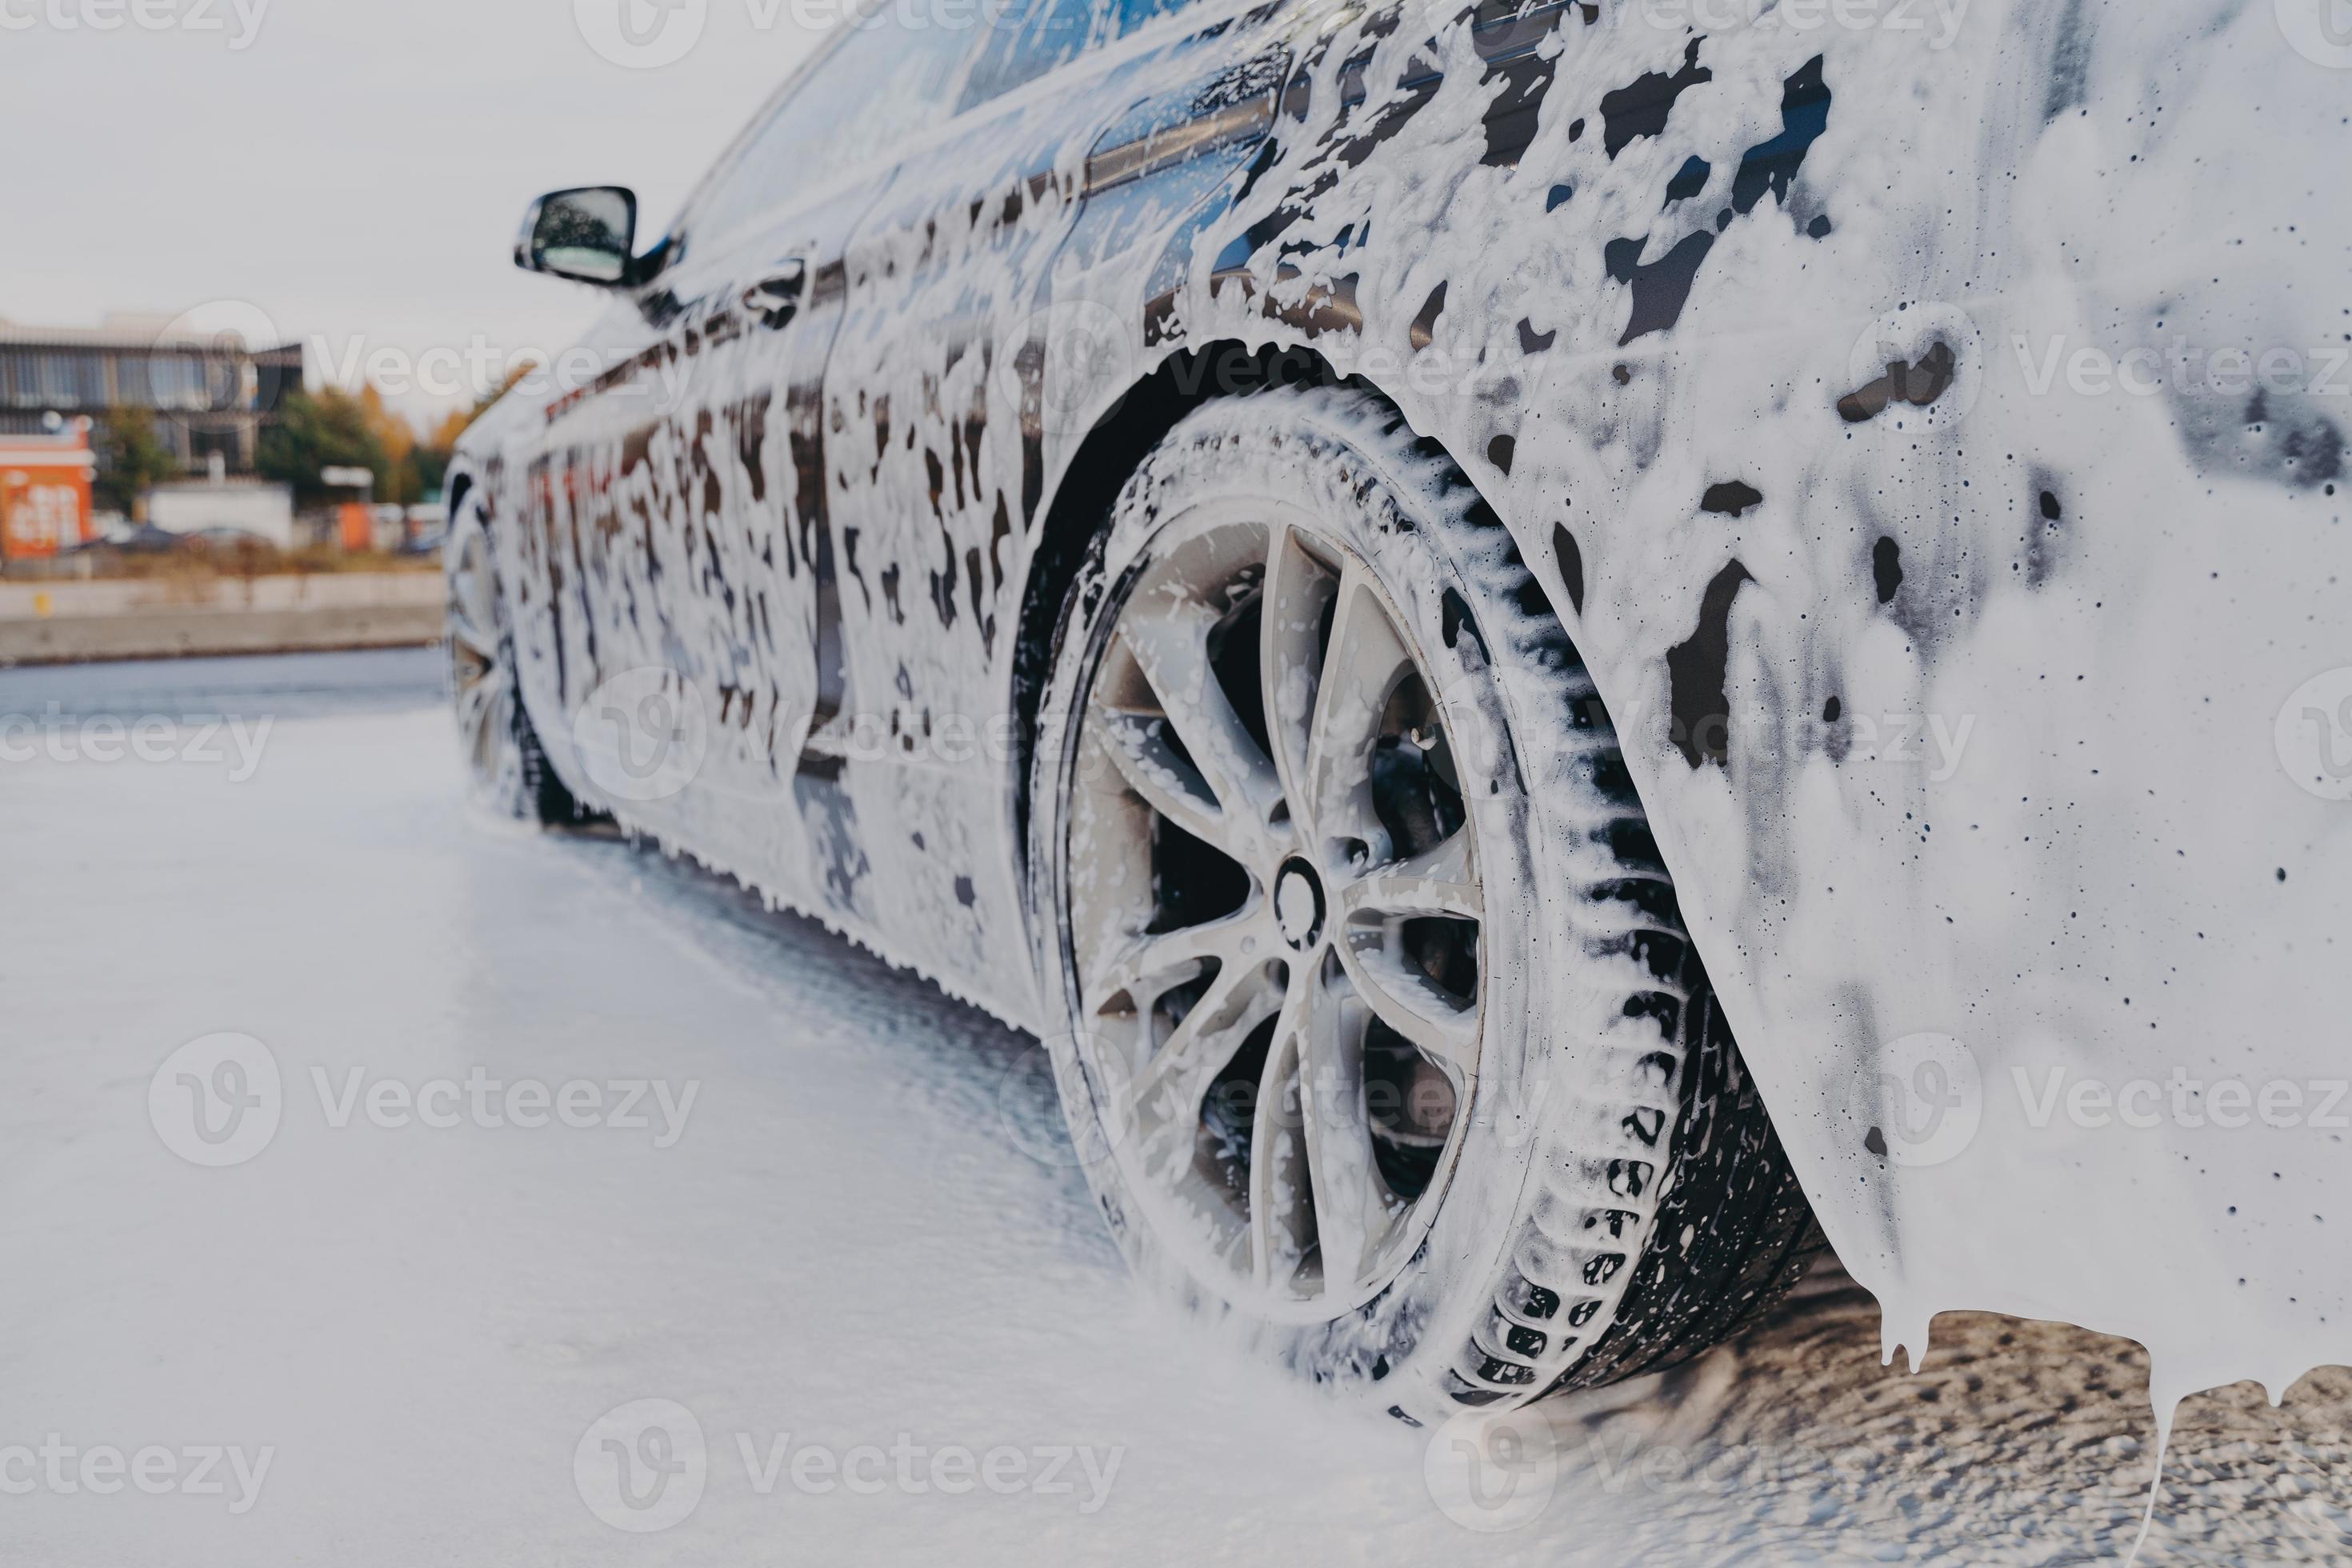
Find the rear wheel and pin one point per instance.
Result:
(1376, 1012)
(505, 767)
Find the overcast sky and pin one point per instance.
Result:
(352, 170)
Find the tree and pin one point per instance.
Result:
(398, 481)
(130, 459)
(335, 428)
(329, 428)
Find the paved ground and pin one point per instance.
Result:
(852, 1265)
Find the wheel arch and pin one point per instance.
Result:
(1089, 483)
(1091, 477)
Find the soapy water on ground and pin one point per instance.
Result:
(807, 1226)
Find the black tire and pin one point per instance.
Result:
(1753, 1231)
(1651, 1213)
(544, 798)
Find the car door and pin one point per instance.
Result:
(934, 402)
(686, 508)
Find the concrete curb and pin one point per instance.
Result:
(72, 622)
(192, 633)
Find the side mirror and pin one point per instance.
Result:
(587, 235)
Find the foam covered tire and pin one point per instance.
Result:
(1376, 1024)
(507, 768)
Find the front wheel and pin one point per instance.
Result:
(1377, 1018)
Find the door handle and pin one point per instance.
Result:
(776, 298)
(1235, 109)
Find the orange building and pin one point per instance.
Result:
(44, 493)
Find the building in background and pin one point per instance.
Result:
(45, 504)
(208, 397)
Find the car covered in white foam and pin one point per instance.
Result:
(1393, 578)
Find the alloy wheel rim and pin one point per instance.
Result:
(1276, 916)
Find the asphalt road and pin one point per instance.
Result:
(382, 1184)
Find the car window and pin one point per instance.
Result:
(887, 79)
(1031, 37)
